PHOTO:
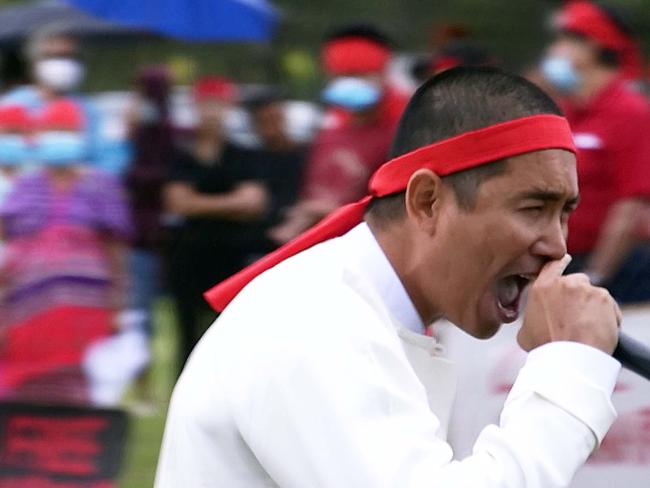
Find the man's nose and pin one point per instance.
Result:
(552, 244)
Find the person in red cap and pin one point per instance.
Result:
(316, 374)
(217, 191)
(364, 110)
(588, 66)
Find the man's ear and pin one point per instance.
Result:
(423, 195)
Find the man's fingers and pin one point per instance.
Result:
(554, 269)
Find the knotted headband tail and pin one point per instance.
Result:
(465, 151)
(334, 225)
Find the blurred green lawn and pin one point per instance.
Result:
(145, 432)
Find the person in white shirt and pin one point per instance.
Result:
(317, 374)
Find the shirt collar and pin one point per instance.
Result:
(372, 261)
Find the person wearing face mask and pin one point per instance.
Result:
(63, 278)
(363, 52)
(363, 112)
(57, 71)
(589, 66)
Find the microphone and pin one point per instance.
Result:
(633, 355)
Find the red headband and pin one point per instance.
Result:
(354, 55)
(587, 19)
(469, 150)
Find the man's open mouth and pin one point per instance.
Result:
(509, 292)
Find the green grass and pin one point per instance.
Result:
(145, 432)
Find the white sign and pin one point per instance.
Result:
(487, 370)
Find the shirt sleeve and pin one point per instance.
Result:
(631, 155)
(352, 413)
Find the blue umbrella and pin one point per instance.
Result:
(190, 20)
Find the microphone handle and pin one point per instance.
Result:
(633, 355)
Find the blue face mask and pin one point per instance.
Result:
(60, 148)
(354, 94)
(560, 73)
(14, 150)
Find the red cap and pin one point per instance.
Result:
(215, 87)
(354, 56)
(585, 18)
(14, 118)
(61, 115)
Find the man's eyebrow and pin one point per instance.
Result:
(547, 196)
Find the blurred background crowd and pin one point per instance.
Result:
(144, 158)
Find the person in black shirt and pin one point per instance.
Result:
(220, 194)
(280, 157)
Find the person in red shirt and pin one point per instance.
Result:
(588, 65)
(361, 51)
(364, 110)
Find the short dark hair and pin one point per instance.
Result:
(452, 103)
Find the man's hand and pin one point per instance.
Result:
(569, 308)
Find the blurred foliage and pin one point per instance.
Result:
(513, 31)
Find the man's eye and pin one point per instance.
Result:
(533, 209)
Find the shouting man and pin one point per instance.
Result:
(313, 375)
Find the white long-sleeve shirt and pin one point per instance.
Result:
(312, 378)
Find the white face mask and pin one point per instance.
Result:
(59, 74)
(560, 72)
